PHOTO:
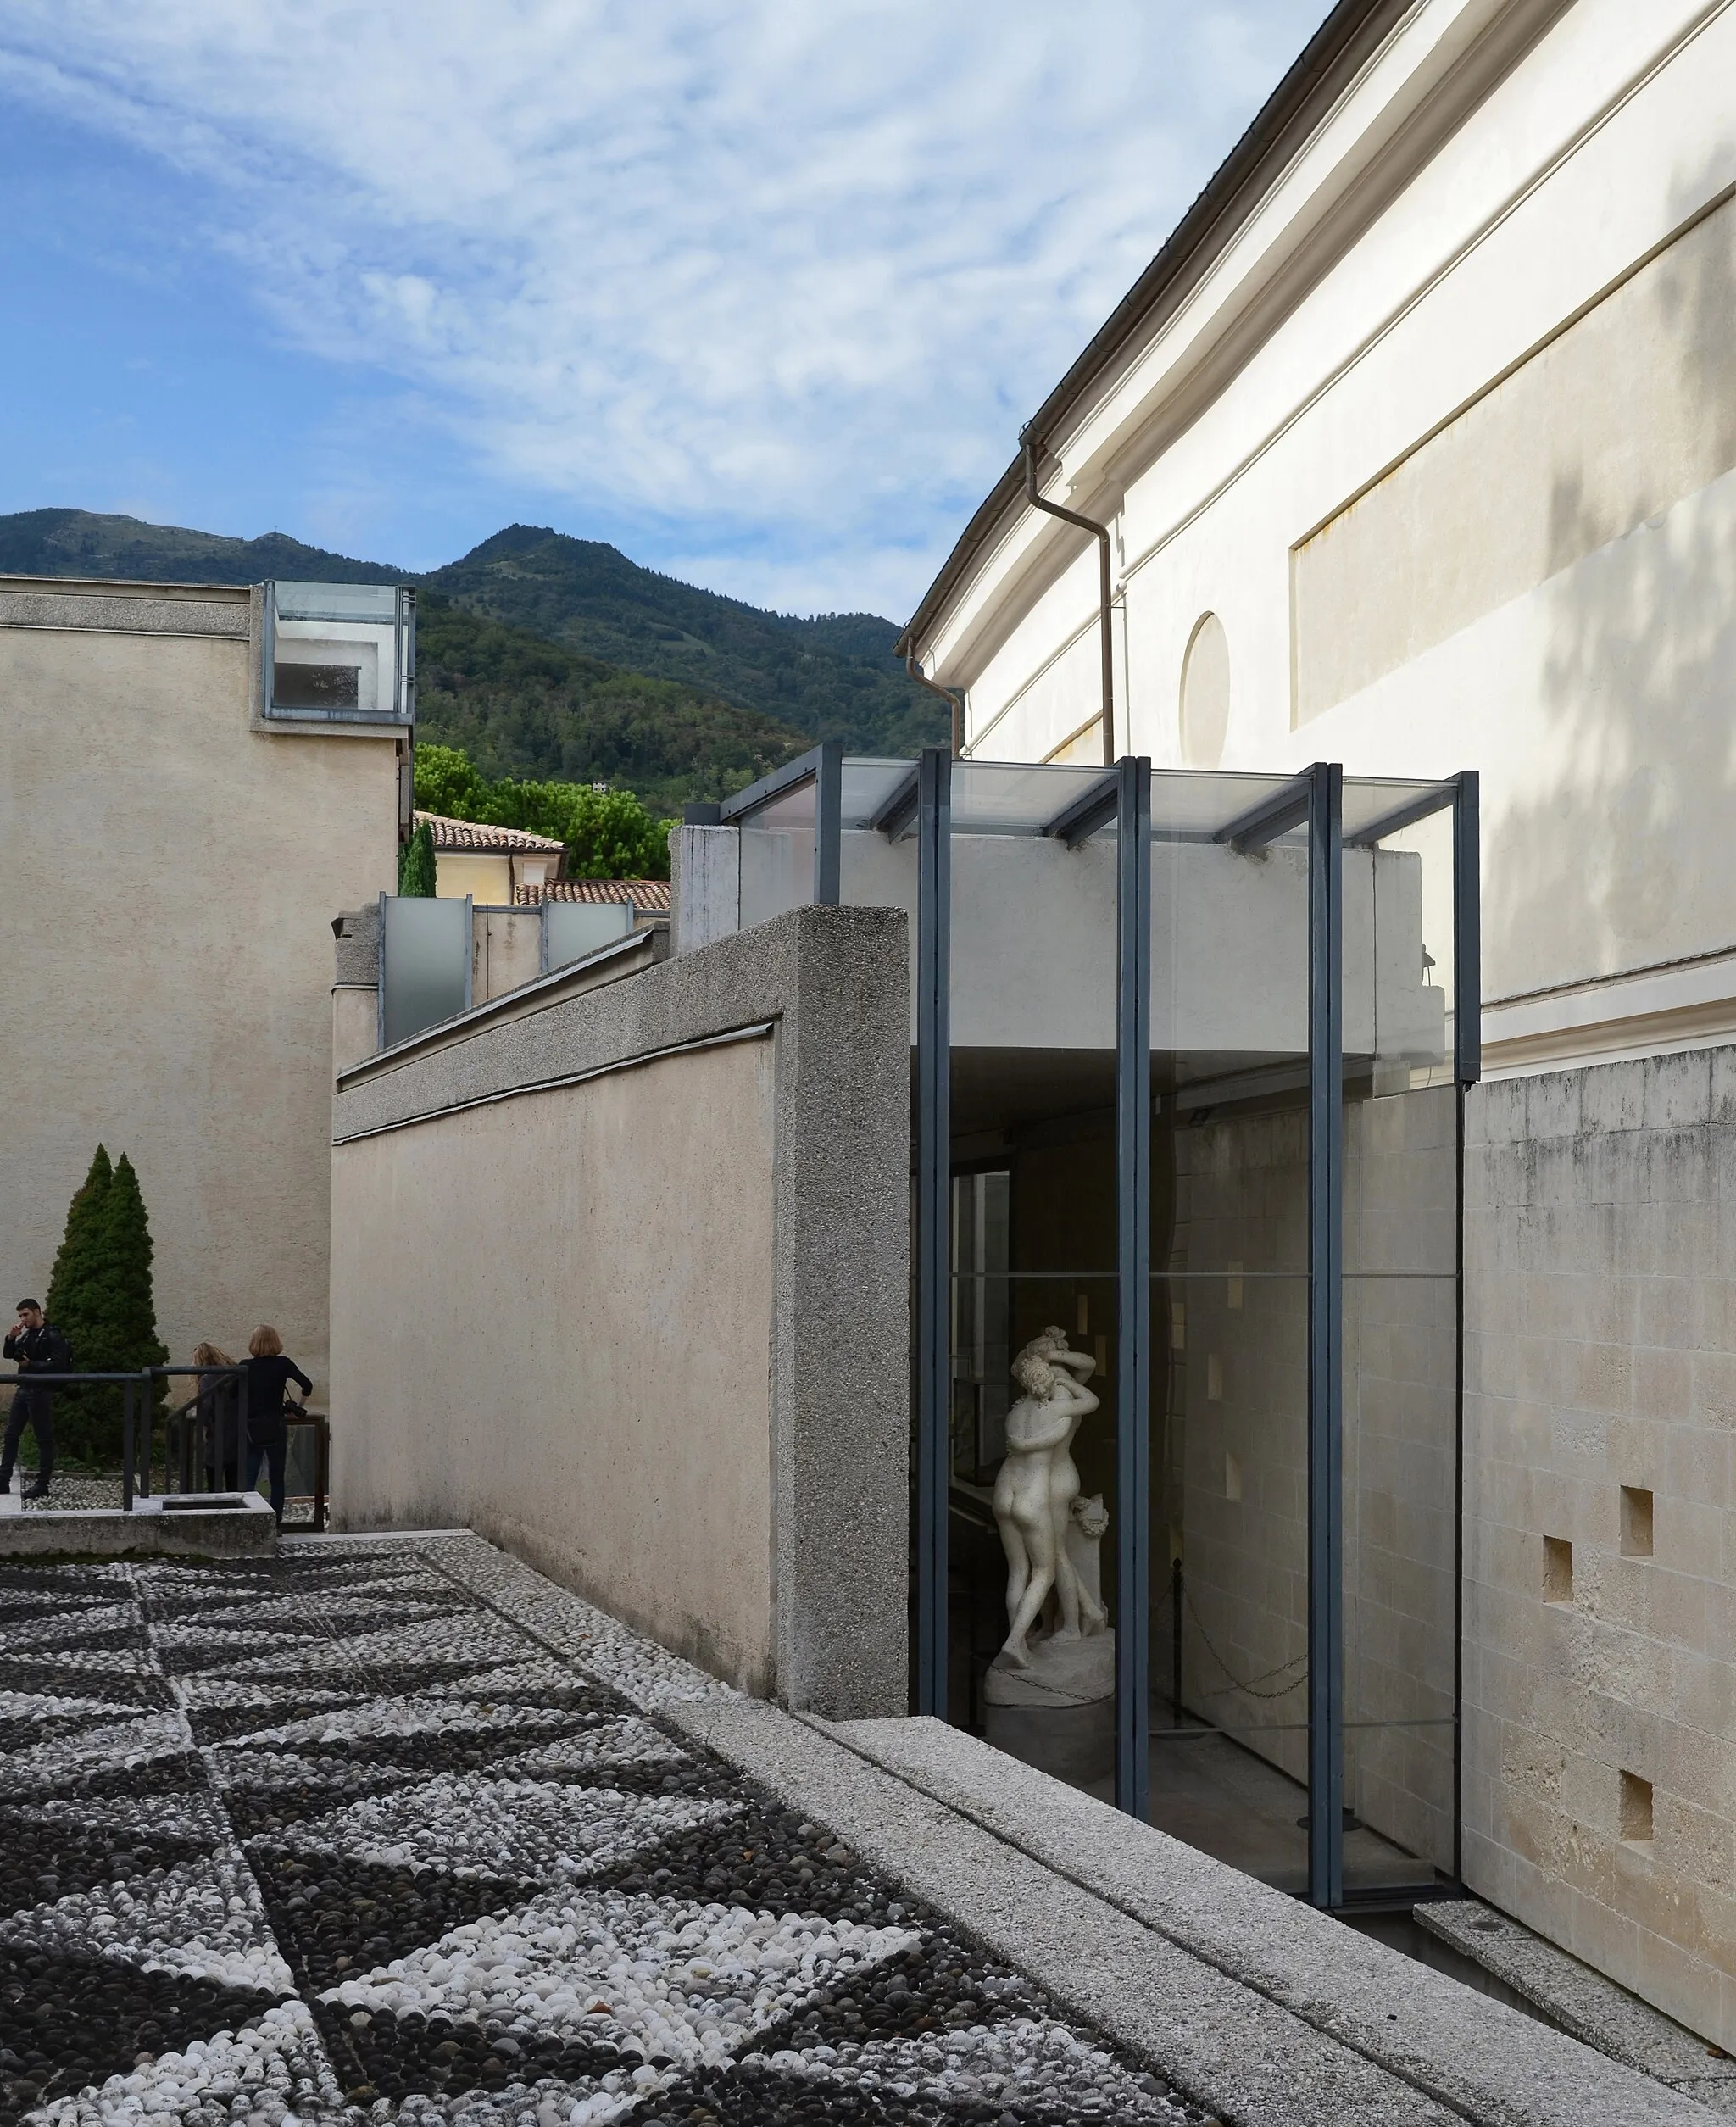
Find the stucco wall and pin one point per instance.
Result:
(1444, 439)
(1601, 1303)
(171, 876)
(688, 1274)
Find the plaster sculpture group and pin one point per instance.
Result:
(1048, 1696)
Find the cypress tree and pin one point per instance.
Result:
(100, 1298)
(132, 1309)
(74, 1278)
(416, 864)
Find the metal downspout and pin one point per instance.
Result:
(955, 703)
(1100, 532)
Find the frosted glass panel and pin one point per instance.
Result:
(574, 928)
(427, 950)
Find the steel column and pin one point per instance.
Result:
(127, 1423)
(828, 824)
(1467, 1068)
(933, 1222)
(1133, 1264)
(1326, 1315)
(1467, 934)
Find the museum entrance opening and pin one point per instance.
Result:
(1188, 1053)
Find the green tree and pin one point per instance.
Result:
(447, 783)
(100, 1298)
(417, 864)
(610, 834)
(76, 1276)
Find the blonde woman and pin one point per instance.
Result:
(269, 1373)
(217, 1413)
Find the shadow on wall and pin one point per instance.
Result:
(1629, 860)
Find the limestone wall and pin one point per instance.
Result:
(622, 1283)
(1600, 1629)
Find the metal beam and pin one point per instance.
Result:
(1404, 815)
(933, 1224)
(1326, 1310)
(900, 807)
(1132, 781)
(805, 768)
(1092, 809)
(1286, 808)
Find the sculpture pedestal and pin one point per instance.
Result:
(1059, 1713)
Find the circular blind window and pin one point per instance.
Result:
(1205, 693)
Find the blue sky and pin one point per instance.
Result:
(762, 293)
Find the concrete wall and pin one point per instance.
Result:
(1601, 1304)
(171, 873)
(649, 1326)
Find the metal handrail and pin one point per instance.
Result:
(135, 1476)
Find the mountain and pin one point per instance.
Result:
(520, 705)
(831, 677)
(546, 656)
(76, 543)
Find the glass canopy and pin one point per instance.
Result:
(1187, 1054)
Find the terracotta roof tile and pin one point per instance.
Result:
(651, 896)
(468, 834)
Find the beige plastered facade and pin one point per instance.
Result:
(1441, 426)
(172, 869)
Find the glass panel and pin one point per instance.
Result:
(330, 689)
(1198, 808)
(1033, 1502)
(1400, 1239)
(867, 785)
(1010, 798)
(777, 856)
(375, 605)
(1229, 1331)
(1368, 799)
(427, 957)
(574, 928)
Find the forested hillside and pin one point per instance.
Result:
(518, 704)
(831, 677)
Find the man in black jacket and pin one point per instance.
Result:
(36, 1347)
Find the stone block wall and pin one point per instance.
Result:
(1600, 1416)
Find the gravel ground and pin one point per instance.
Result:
(392, 1832)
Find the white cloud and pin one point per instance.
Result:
(782, 280)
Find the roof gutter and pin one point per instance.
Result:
(1033, 450)
(953, 700)
(1331, 55)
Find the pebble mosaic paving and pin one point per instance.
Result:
(391, 1832)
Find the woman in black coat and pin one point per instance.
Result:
(268, 1372)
